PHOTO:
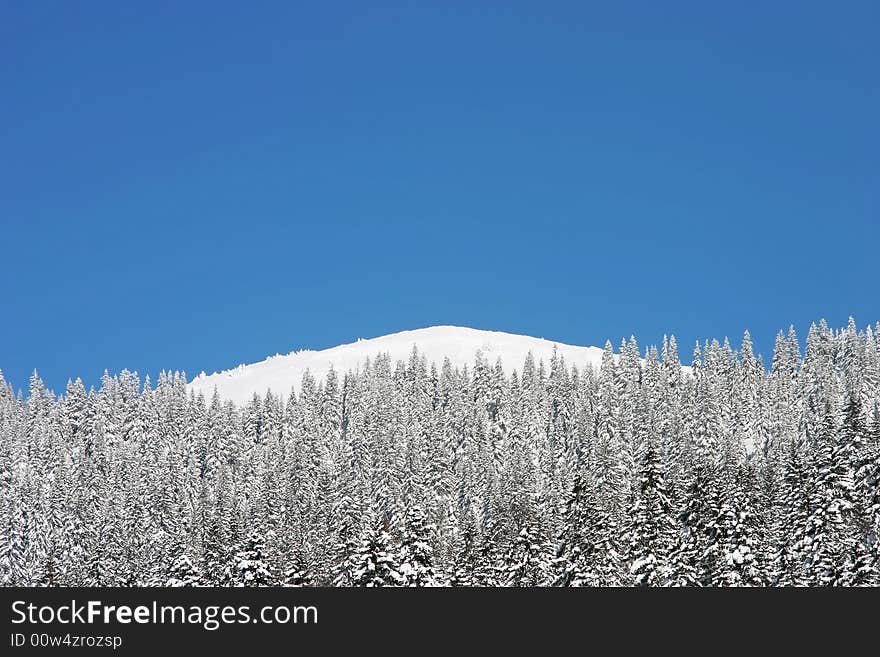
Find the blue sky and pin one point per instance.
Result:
(194, 185)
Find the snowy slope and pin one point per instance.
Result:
(459, 344)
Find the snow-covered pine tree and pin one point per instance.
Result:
(528, 559)
(183, 572)
(375, 563)
(416, 551)
(652, 528)
(586, 555)
(249, 564)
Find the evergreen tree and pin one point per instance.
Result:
(652, 528)
(375, 563)
(249, 565)
(183, 572)
(586, 555)
(417, 553)
(527, 562)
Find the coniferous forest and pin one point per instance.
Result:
(729, 471)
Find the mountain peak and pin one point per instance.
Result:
(460, 344)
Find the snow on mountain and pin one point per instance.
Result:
(281, 373)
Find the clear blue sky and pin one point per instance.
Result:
(194, 185)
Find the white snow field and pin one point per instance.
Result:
(281, 373)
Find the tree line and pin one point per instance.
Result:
(640, 472)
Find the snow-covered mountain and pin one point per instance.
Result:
(279, 373)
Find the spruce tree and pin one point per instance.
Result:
(375, 563)
(652, 527)
(249, 565)
(416, 551)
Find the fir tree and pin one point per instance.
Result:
(652, 527)
(417, 553)
(375, 564)
(249, 565)
(183, 572)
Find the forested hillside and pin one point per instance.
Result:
(733, 472)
